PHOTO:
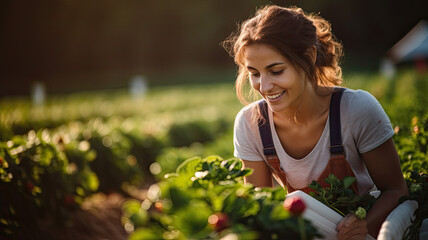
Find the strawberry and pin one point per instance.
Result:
(29, 186)
(295, 205)
(219, 221)
(68, 200)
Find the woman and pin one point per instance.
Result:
(292, 60)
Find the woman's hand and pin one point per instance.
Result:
(352, 228)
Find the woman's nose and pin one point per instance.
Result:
(265, 84)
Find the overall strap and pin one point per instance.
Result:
(264, 129)
(336, 147)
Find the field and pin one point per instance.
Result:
(57, 158)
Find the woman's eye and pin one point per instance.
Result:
(255, 74)
(277, 72)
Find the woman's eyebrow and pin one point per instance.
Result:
(274, 64)
(267, 67)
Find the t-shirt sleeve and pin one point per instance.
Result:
(369, 123)
(245, 138)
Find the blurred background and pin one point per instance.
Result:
(76, 45)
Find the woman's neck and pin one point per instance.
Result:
(310, 105)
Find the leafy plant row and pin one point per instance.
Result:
(46, 174)
(39, 184)
(162, 106)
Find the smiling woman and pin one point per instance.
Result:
(306, 124)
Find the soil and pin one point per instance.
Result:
(98, 218)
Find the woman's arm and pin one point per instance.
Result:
(384, 167)
(261, 176)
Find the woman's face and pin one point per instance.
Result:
(274, 77)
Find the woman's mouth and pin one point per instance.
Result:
(275, 96)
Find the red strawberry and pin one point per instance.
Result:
(219, 221)
(29, 186)
(68, 200)
(295, 205)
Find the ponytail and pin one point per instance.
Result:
(329, 53)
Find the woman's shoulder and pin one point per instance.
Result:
(357, 93)
(359, 99)
(361, 108)
(367, 120)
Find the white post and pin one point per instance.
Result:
(38, 94)
(138, 86)
(387, 68)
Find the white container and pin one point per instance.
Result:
(321, 216)
(398, 220)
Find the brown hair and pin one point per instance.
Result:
(293, 33)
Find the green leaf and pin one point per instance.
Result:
(315, 186)
(192, 220)
(279, 213)
(46, 156)
(179, 198)
(93, 182)
(131, 206)
(245, 172)
(80, 191)
(331, 179)
(133, 211)
(143, 233)
(348, 181)
(188, 167)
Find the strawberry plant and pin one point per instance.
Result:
(412, 146)
(119, 154)
(184, 134)
(38, 186)
(418, 191)
(339, 197)
(206, 199)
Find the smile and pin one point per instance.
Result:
(275, 96)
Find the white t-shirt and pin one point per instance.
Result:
(364, 124)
